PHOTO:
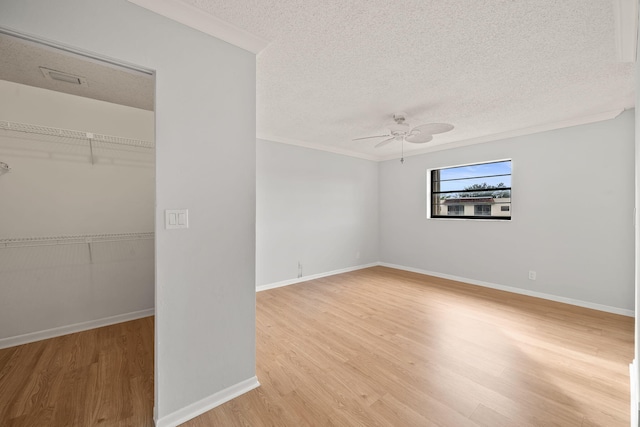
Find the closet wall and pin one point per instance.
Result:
(77, 221)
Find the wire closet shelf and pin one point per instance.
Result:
(74, 134)
(73, 239)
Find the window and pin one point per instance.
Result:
(476, 191)
(482, 210)
(455, 210)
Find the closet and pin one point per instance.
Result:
(77, 184)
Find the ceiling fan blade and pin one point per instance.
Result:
(367, 137)
(385, 142)
(433, 128)
(420, 138)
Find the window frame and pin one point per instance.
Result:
(429, 191)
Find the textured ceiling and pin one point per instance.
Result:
(21, 62)
(336, 70)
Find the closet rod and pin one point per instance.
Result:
(22, 242)
(73, 134)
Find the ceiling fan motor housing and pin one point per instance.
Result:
(400, 117)
(399, 129)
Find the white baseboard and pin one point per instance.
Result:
(312, 277)
(76, 327)
(571, 301)
(633, 383)
(208, 403)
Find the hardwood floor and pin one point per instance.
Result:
(381, 347)
(375, 347)
(99, 377)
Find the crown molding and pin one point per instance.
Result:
(625, 15)
(576, 121)
(205, 22)
(320, 147)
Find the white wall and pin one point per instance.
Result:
(313, 207)
(584, 252)
(54, 190)
(19, 103)
(205, 162)
(634, 368)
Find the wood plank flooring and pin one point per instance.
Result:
(100, 377)
(375, 347)
(382, 347)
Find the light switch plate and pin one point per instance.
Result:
(176, 218)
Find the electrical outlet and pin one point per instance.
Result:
(358, 255)
(532, 275)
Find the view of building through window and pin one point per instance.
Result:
(478, 191)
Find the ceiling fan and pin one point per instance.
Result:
(401, 131)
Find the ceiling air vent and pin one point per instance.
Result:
(63, 77)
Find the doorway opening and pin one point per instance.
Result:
(77, 259)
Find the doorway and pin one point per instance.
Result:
(77, 179)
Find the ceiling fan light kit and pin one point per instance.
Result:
(401, 131)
